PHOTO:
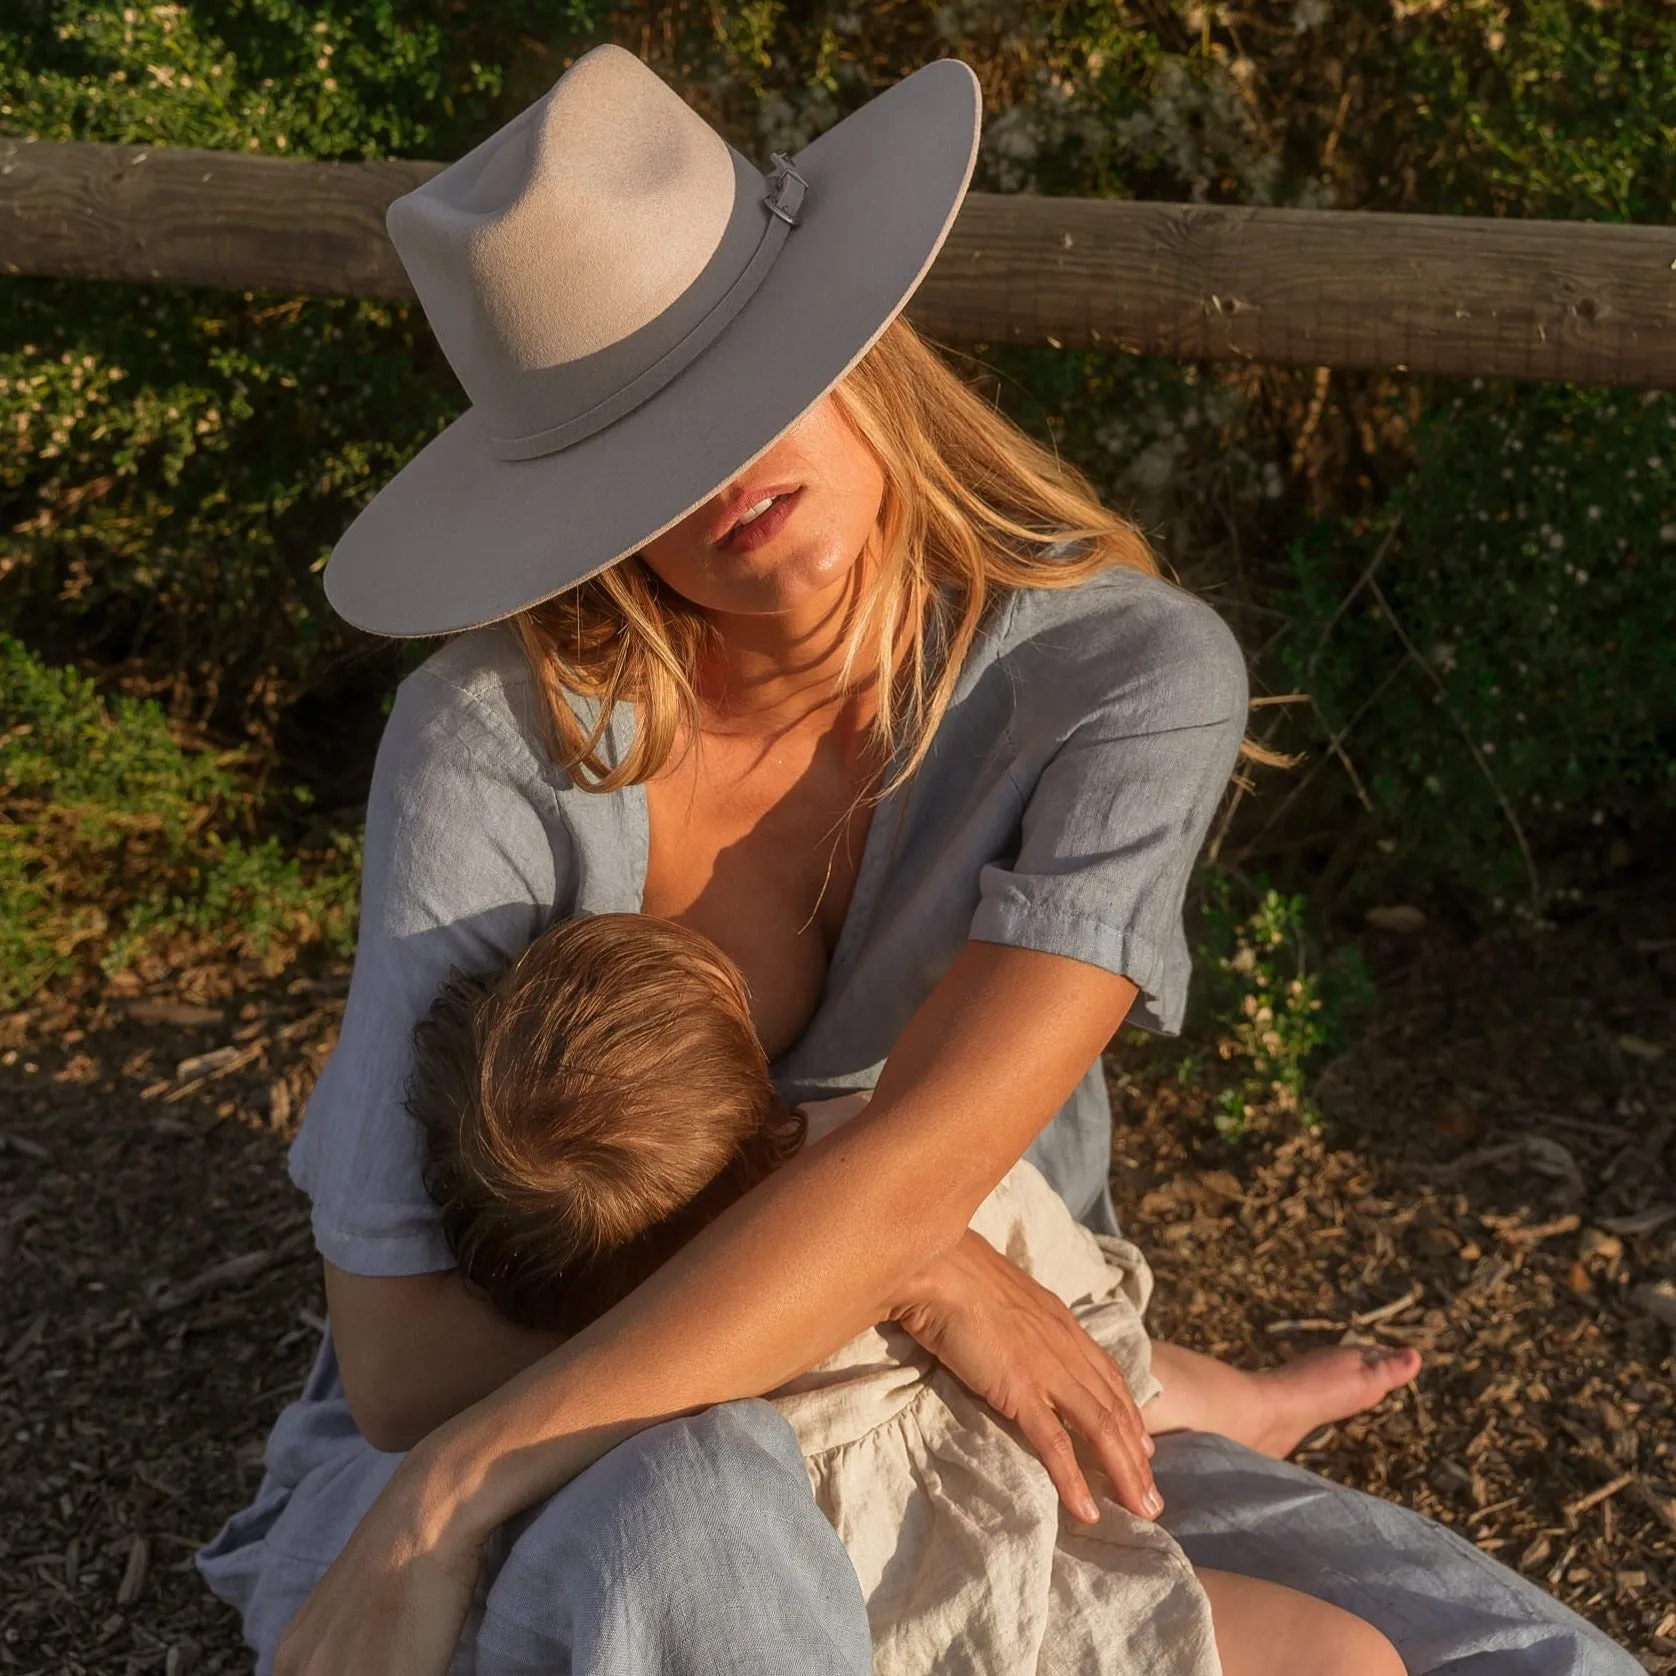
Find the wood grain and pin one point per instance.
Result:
(1458, 296)
(180, 216)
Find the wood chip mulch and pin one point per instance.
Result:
(162, 1304)
(1493, 1183)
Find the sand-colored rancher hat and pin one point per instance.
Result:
(636, 312)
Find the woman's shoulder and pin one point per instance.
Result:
(464, 736)
(1124, 641)
(475, 682)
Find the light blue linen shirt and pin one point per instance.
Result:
(1061, 807)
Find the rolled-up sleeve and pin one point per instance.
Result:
(463, 864)
(1126, 744)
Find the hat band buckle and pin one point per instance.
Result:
(786, 188)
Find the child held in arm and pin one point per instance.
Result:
(591, 1107)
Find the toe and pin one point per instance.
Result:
(1391, 1367)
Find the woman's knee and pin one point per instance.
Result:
(690, 1491)
(1444, 1603)
(696, 1541)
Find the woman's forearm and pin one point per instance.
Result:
(810, 1257)
(730, 1319)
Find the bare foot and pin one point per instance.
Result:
(1322, 1386)
(1273, 1411)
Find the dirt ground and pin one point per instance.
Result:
(1493, 1183)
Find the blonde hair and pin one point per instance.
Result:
(971, 506)
(588, 1109)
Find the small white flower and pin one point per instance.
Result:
(1557, 542)
(1594, 512)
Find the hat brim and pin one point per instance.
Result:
(459, 538)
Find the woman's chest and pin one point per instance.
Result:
(758, 847)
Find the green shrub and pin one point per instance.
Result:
(115, 843)
(1495, 646)
(1267, 998)
(179, 463)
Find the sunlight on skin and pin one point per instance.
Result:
(781, 609)
(757, 823)
(769, 698)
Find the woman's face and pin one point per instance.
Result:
(826, 488)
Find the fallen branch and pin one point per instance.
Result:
(1371, 1317)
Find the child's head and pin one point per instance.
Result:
(589, 1109)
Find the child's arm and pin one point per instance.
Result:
(414, 1350)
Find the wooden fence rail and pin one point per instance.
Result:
(1458, 296)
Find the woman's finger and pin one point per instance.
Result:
(1058, 1454)
(1125, 1398)
(1110, 1375)
(1117, 1438)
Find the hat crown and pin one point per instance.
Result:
(542, 259)
(568, 230)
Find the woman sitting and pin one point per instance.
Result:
(781, 633)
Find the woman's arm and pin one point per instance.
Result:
(825, 1247)
(822, 1249)
(416, 1350)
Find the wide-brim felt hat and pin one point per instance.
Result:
(637, 312)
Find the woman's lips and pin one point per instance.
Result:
(744, 537)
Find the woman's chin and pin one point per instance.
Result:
(773, 581)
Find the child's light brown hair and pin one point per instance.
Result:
(590, 1108)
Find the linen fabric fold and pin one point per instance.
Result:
(967, 1561)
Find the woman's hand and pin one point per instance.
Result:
(394, 1601)
(1017, 1346)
